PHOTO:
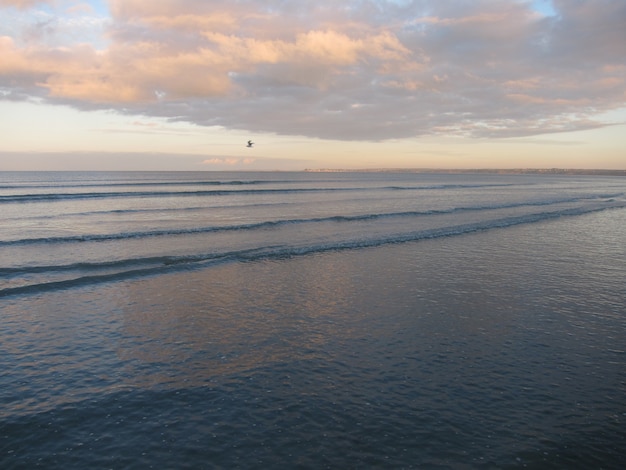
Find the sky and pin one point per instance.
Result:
(352, 84)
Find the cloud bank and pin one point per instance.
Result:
(351, 70)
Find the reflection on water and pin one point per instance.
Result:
(476, 352)
(193, 329)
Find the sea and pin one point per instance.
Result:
(312, 320)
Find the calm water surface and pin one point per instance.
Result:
(312, 321)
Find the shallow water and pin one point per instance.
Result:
(499, 346)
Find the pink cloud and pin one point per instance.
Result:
(229, 161)
(22, 4)
(298, 68)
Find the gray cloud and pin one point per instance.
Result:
(351, 70)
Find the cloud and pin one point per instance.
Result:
(348, 70)
(140, 161)
(234, 162)
(22, 3)
(223, 161)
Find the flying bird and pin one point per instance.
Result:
(250, 144)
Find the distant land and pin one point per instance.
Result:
(510, 171)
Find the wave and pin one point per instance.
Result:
(141, 267)
(608, 197)
(149, 210)
(139, 194)
(276, 223)
(57, 196)
(143, 184)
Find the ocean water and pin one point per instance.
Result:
(312, 320)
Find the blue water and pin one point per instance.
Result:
(312, 320)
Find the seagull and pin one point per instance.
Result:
(250, 144)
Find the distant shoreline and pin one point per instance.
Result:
(497, 171)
